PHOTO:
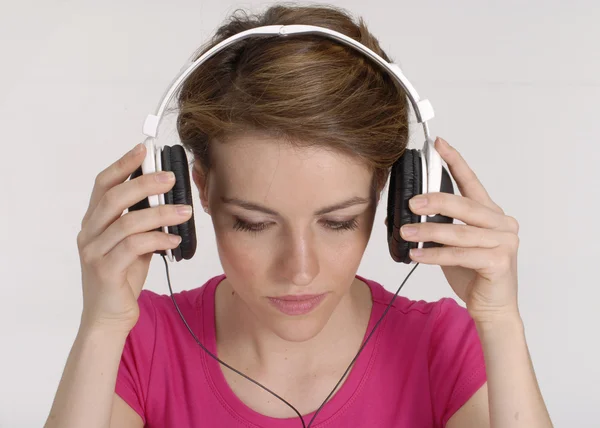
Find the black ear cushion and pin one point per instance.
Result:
(405, 182)
(166, 166)
(174, 159)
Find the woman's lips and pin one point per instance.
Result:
(297, 304)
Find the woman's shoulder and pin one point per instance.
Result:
(158, 338)
(162, 303)
(403, 306)
(441, 334)
(433, 323)
(158, 311)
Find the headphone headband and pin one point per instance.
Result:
(431, 160)
(423, 108)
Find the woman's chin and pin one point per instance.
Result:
(298, 330)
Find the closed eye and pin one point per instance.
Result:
(338, 226)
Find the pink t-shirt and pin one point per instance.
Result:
(422, 364)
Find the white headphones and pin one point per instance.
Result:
(430, 175)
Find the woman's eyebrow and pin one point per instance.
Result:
(356, 200)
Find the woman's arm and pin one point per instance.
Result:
(115, 250)
(87, 388)
(479, 260)
(512, 397)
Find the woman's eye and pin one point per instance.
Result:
(342, 225)
(338, 226)
(248, 227)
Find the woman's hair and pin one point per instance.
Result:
(304, 89)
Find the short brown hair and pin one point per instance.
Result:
(305, 89)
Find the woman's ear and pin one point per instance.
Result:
(201, 180)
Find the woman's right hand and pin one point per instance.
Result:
(115, 249)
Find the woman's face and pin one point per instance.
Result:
(289, 221)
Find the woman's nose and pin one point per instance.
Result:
(300, 261)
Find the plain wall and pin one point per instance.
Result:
(515, 86)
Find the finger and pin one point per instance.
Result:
(114, 174)
(479, 259)
(121, 197)
(468, 184)
(461, 208)
(454, 235)
(140, 221)
(128, 250)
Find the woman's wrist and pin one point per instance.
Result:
(100, 331)
(500, 320)
(90, 325)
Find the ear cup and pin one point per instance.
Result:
(405, 182)
(174, 159)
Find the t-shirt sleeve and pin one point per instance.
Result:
(136, 361)
(456, 363)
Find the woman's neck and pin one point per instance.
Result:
(244, 342)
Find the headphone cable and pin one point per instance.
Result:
(265, 388)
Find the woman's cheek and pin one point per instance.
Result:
(349, 249)
(237, 255)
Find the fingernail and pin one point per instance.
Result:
(443, 143)
(136, 150)
(175, 239)
(408, 230)
(184, 210)
(165, 176)
(418, 202)
(416, 252)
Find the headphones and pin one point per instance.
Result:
(417, 171)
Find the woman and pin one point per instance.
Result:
(293, 141)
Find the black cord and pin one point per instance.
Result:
(214, 356)
(265, 388)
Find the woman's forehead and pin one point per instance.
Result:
(262, 167)
(247, 153)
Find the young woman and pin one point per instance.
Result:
(293, 141)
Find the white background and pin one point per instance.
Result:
(515, 86)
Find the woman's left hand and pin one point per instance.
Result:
(479, 258)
